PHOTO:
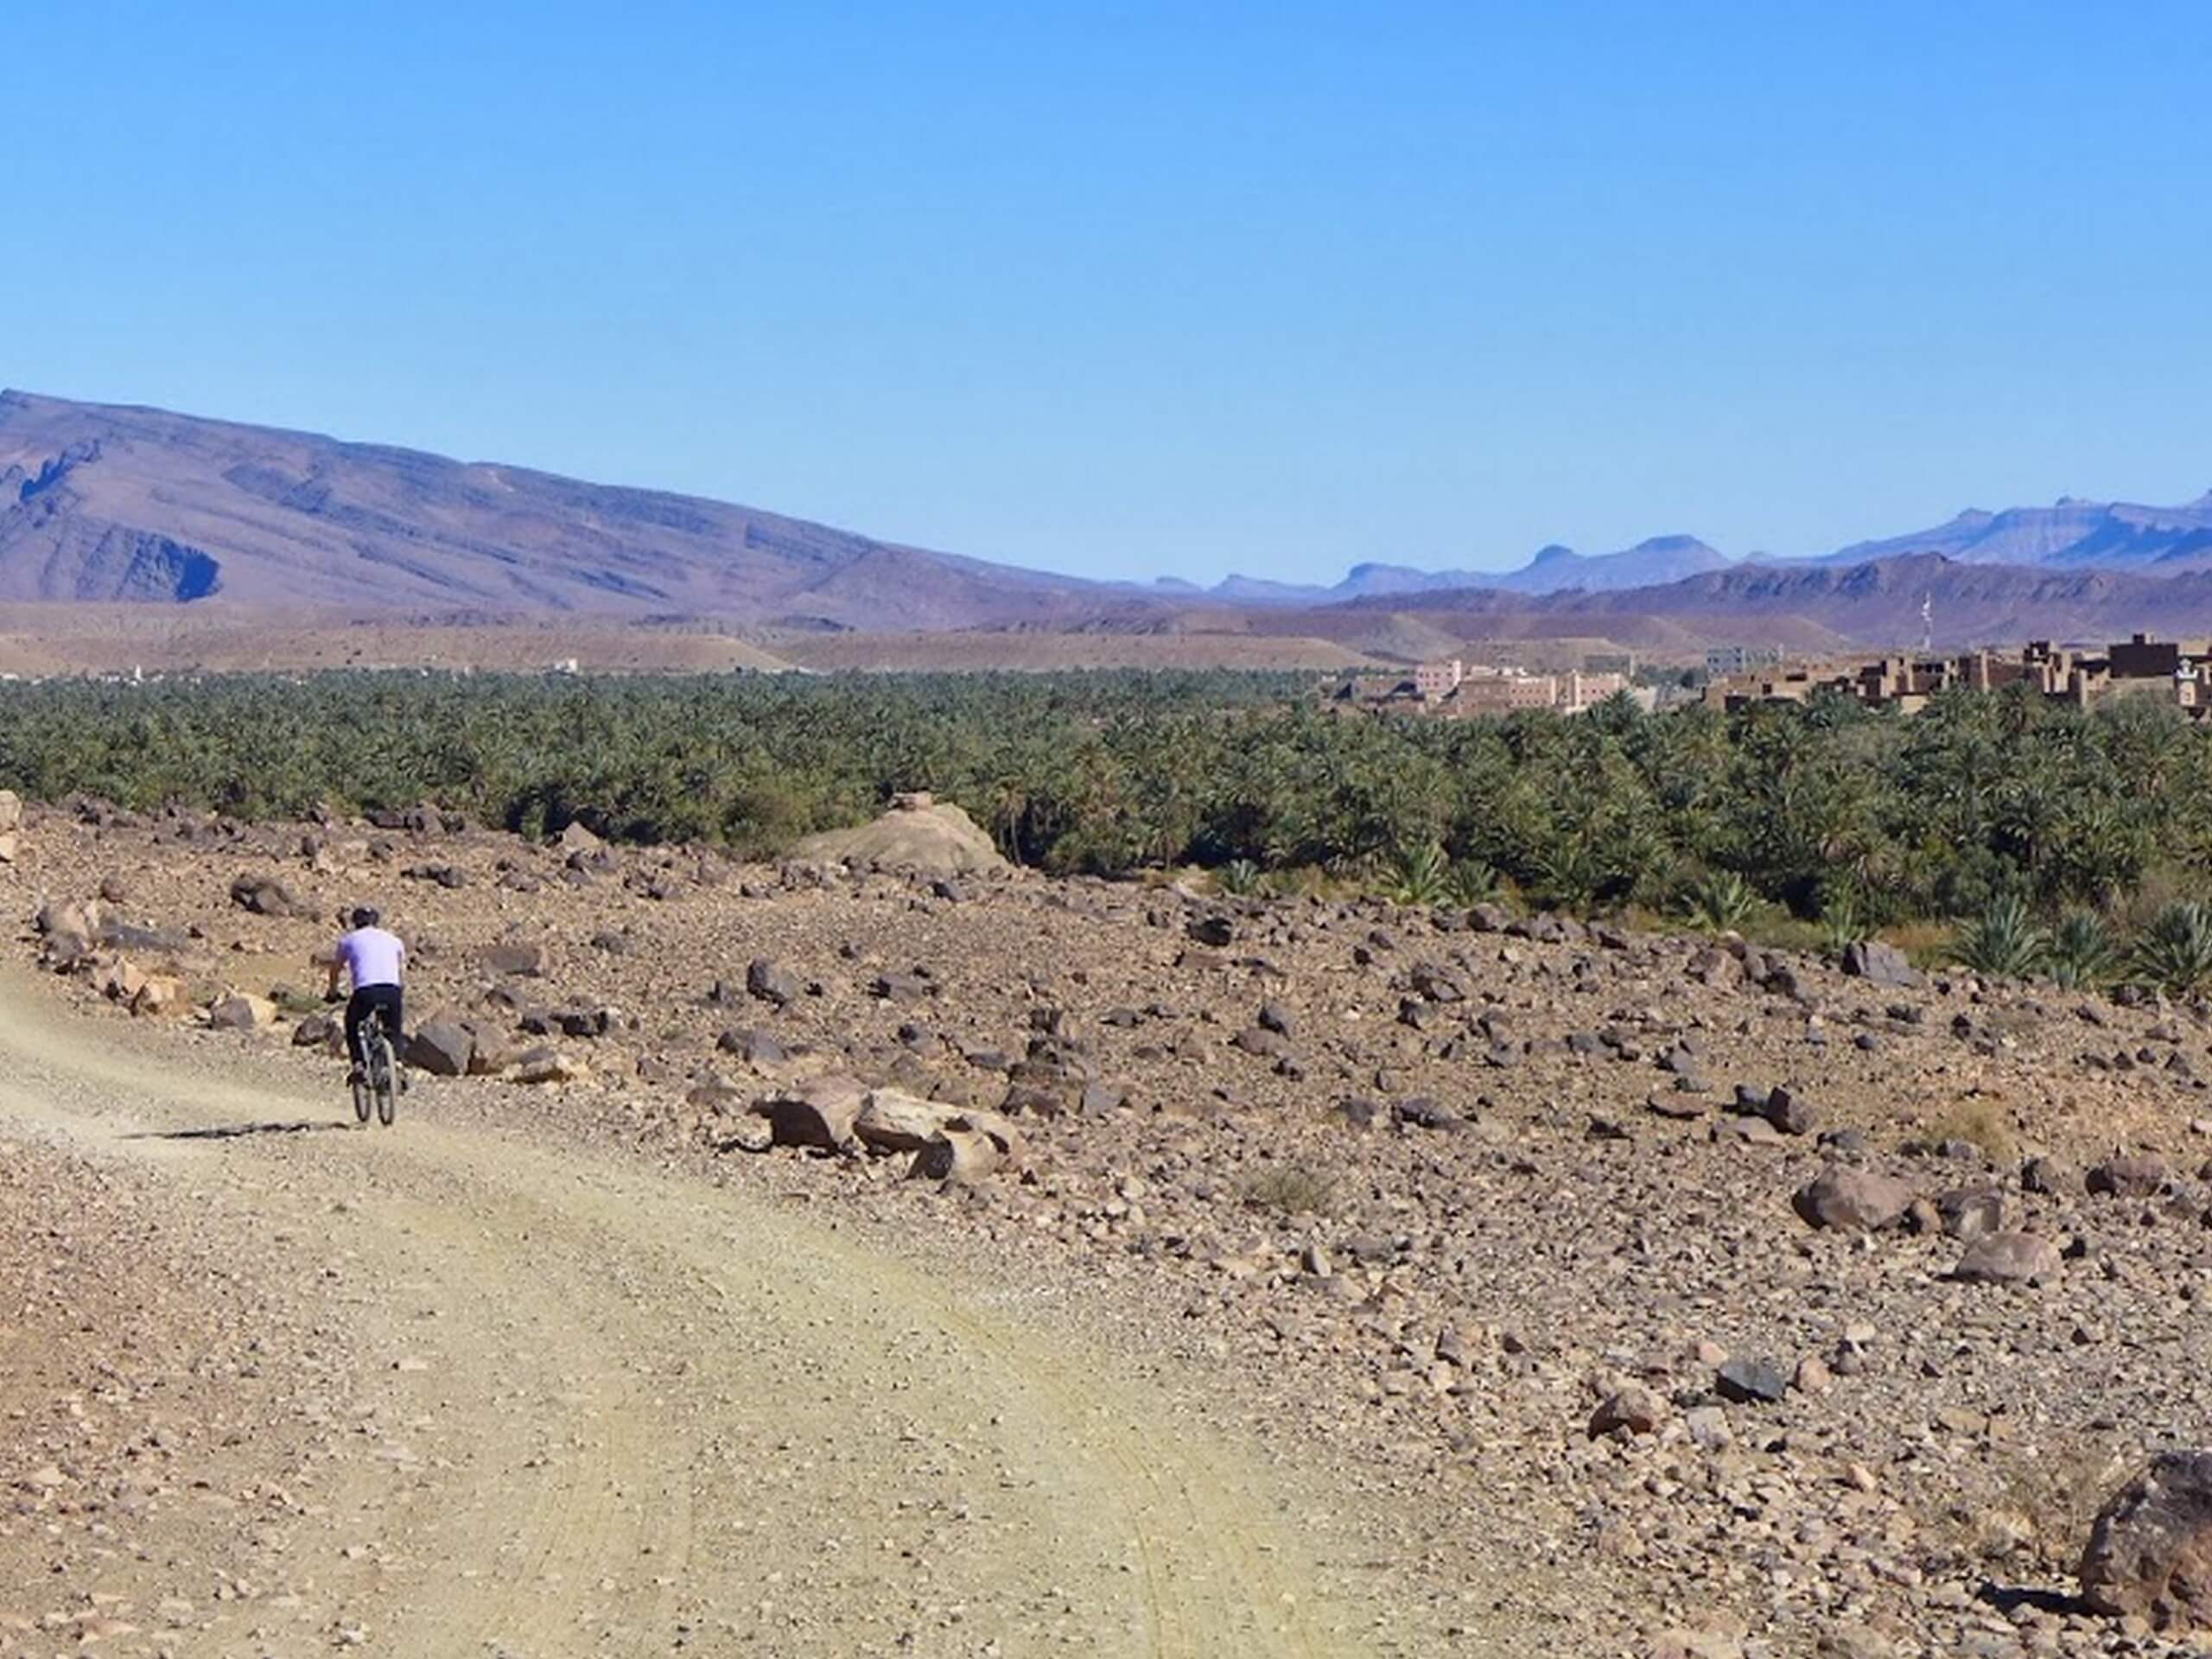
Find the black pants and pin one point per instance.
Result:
(385, 999)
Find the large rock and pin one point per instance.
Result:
(2150, 1552)
(550, 1066)
(322, 1031)
(891, 1121)
(11, 810)
(753, 1046)
(1879, 963)
(1750, 1381)
(1256, 1039)
(161, 993)
(772, 982)
(2009, 1259)
(239, 1012)
(516, 959)
(1853, 1199)
(576, 838)
(1790, 1112)
(443, 1048)
(120, 980)
(1971, 1212)
(1633, 1410)
(919, 836)
(1213, 932)
(64, 920)
(822, 1114)
(958, 1156)
(2131, 1175)
(265, 895)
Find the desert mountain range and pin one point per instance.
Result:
(103, 503)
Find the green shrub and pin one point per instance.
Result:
(1721, 903)
(2005, 940)
(1240, 878)
(2083, 953)
(2175, 951)
(1419, 876)
(1470, 882)
(1840, 925)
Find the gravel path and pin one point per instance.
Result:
(530, 1401)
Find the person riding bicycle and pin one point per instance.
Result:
(376, 962)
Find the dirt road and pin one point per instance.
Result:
(591, 1408)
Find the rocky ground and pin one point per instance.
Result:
(135, 1361)
(1666, 1297)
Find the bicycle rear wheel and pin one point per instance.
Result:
(363, 1103)
(383, 1080)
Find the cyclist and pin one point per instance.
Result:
(376, 961)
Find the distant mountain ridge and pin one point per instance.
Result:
(105, 503)
(1804, 607)
(2104, 535)
(1659, 559)
(2069, 535)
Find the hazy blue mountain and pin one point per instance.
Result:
(1650, 563)
(2069, 533)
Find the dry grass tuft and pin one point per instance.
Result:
(1291, 1190)
(1979, 1120)
(2038, 1516)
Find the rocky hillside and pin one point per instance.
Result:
(107, 503)
(1690, 1298)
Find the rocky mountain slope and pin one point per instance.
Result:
(100, 502)
(1660, 1296)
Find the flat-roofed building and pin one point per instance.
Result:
(1439, 680)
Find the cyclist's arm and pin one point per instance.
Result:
(337, 967)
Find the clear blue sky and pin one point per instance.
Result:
(1133, 290)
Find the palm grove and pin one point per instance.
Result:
(2065, 842)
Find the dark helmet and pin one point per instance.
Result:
(365, 916)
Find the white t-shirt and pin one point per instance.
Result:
(372, 955)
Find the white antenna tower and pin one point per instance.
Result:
(1926, 623)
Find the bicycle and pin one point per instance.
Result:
(375, 1073)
